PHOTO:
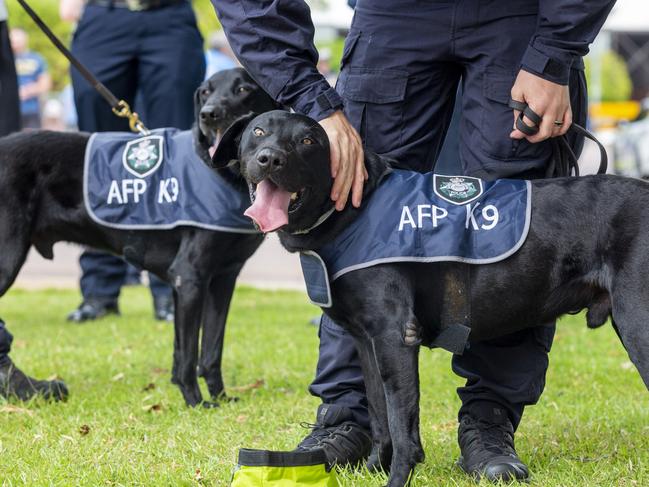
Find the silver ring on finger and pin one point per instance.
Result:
(558, 123)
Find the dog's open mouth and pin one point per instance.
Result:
(212, 149)
(271, 205)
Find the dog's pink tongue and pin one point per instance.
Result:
(212, 149)
(270, 209)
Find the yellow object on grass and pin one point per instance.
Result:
(262, 468)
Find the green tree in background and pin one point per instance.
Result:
(336, 47)
(615, 79)
(207, 21)
(48, 10)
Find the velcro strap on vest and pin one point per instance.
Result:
(453, 339)
(456, 309)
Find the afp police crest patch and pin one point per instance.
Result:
(144, 155)
(458, 190)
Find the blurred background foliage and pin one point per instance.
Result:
(615, 79)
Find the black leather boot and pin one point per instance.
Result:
(93, 308)
(163, 308)
(487, 447)
(14, 383)
(343, 440)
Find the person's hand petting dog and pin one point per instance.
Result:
(548, 100)
(347, 160)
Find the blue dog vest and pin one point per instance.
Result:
(157, 181)
(413, 217)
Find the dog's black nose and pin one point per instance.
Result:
(271, 158)
(210, 113)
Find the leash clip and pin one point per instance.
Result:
(123, 110)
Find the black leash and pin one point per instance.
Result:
(120, 107)
(564, 161)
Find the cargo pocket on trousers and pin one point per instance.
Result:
(374, 105)
(497, 120)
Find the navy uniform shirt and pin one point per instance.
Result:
(273, 39)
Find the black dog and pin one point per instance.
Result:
(41, 177)
(588, 247)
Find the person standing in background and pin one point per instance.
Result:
(9, 101)
(34, 81)
(149, 48)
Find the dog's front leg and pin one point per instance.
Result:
(630, 321)
(215, 314)
(188, 297)
(398, 367)
(381, 455)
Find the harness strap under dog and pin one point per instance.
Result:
(456, 310)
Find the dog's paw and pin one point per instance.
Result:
(225, 398)
(216, 402)
(210, 404)
(379, 460)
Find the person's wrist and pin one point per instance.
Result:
(335, 114)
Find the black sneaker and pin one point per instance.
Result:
(343, 440)
(487, 448)
(93, 308)
(14, 383)
(163, 308)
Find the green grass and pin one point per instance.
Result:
(591, 427)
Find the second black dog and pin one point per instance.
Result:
(41, 179)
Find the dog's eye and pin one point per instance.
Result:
(243, 89)
(205, 92)
(258, 132)
(307, 141)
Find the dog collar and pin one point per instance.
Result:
(318, 222)
(329, 212)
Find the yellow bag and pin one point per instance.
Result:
(263, 468)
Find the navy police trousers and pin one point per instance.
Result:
(154, 55)
(401, 69)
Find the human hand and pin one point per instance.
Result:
(70, 10)
(549, 100)
(347, 160)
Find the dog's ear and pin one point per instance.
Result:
(227, 150)
(201, 142)
(377, 168)
(197, 104)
